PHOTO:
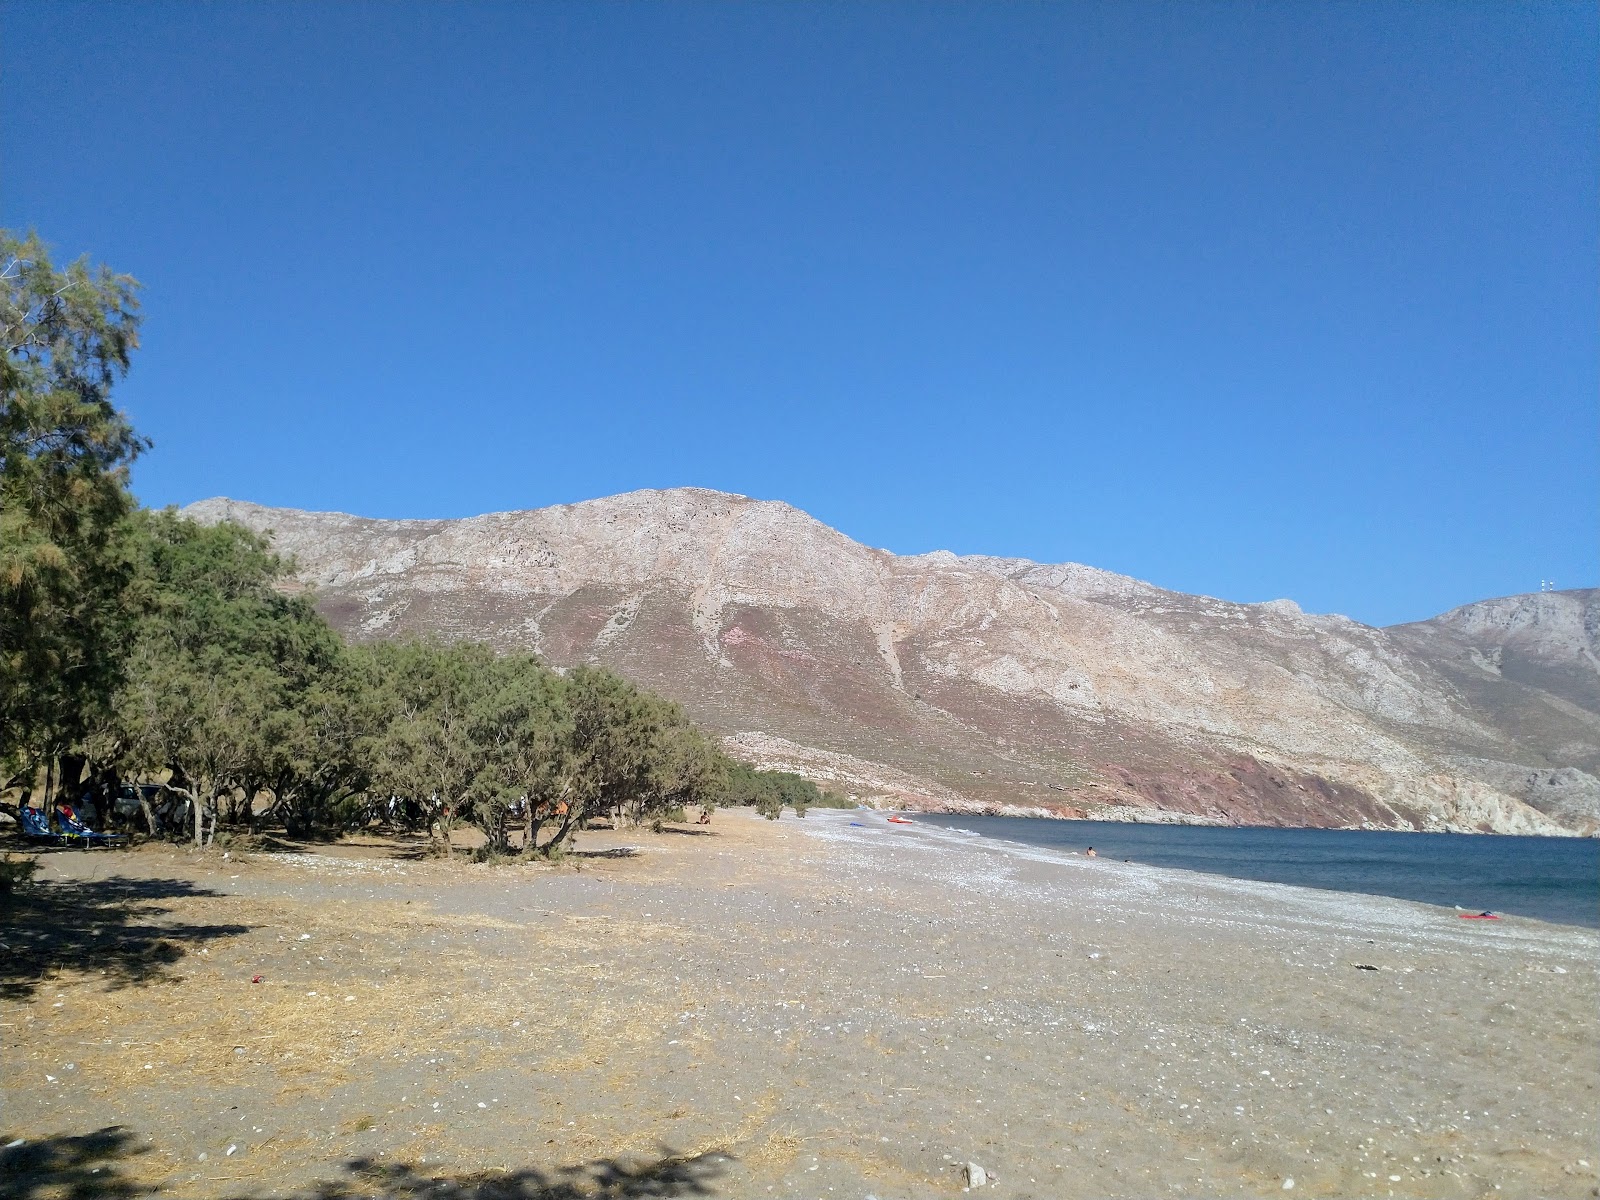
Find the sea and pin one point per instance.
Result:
(1551, 879)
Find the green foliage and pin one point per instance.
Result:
(508, 744)
(66, 337)
(426, 750)
(238, 690)
(232, 686)
(770, 791)
(157, 647)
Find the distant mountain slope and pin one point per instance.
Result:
(948, 681)
(1528, 666)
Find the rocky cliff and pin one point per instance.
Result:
(947, 681)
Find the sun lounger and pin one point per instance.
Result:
(36, 829)
(69, 831)
(76, 830)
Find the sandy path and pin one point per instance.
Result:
(802, 1009)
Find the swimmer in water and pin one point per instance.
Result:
(1089, 853)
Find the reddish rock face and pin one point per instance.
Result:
(972, 682)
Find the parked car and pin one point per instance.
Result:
(171, 811)
(127, 802)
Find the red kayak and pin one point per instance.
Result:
(901, 821)
(1478, 916)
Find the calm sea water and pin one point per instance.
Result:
(1553, 879)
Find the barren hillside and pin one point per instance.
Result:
(945, 681)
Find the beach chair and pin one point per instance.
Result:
(35, 828)
(75, 830)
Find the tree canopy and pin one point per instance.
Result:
(67, 337)
(157, 648)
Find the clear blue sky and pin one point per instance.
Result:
(1255, 300)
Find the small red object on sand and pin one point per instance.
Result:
(258, 979)
(901, 821)
(1484, 916)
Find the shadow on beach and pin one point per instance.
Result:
(103, 925)
(91, 1166)
(664, 1175)
(76, 1167)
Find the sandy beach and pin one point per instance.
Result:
(810, 1008)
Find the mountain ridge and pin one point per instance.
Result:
(1001, 681)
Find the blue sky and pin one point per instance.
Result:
(1254, 300)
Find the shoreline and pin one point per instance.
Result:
(1157, 816)
(797, 1006)
(1345, 905)
(1405, 886)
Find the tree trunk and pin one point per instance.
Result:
(72, 766)
(562, 830)
(50, 793)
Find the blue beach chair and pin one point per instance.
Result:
(36, 829)
(77, 831)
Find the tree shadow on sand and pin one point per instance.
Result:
(73, 1168)
(104, 925)
(666, 1174)
(90, 1167)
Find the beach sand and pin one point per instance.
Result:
(803, 1008)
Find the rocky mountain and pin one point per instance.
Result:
(969, 682)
